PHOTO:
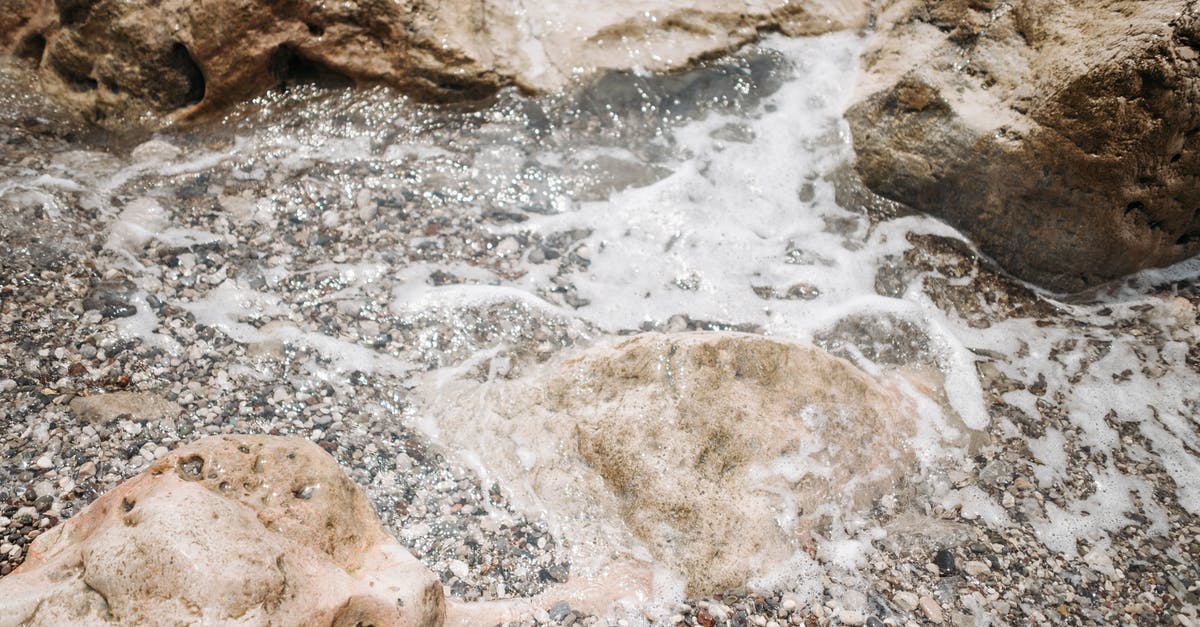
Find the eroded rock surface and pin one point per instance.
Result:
(114, 60)
(1062, 136)
(665, 435)
(247, 530)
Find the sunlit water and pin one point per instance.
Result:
(360, 236)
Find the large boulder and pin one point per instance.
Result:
(246, 530)
(1063, 136)
(115, 60)
(717, 452)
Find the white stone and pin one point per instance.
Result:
(932, 610)
(906, 601)
(976, 568)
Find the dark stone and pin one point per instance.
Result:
(944, 560)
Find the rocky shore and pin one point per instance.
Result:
(339, 266)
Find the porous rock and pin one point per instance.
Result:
(116, 60)
(666, 435)
(1061, 136)
(246, 530)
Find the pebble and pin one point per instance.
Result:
(44, 462)
(944, 560)
(976, 568)
(932, 610)
(906, 601)
(851, 617)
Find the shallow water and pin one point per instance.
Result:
(301, 265)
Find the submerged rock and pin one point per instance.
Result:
(248, 530)
(1062, 136)
(660, 437)
(114, 60)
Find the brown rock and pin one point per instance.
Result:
(116, 60)
(1063, 137)
(251, 530)
(664, 436)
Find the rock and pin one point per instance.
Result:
(944, 559)
(142, 406)
(111, 299)
(115, 60)
(906, 601)
(246, 529)
(976, 568)
(23, 26)
(663, 435)
(1063, 137)
(932, 610)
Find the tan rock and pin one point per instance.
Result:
(116, 60)
(100, 408)
(246, 530)
(1061, 136)
(660, 439)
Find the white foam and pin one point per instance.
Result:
(230, 305)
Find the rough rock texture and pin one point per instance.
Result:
(665, 435)
(113, 60)
(247, 530)
(1063, 136)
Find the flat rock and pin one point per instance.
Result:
(1063, 137)
(102, 408)
(657, 438)
(246, 530)
(114, 61)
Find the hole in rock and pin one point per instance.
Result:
(289, 67)
(127, 505)
(1135, 206)
(191, 468)
(1176, 157)
(181, 61)
(32, 47)
(73, 11)
(316, 30)
(1188, 238)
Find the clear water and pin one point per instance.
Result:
(334, 235)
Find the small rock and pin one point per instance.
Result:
(944, 559)
(976, 568)
(906, 601)
(851, 617)
(559, 611)
(459, 568)
(88, 469)
(932, 610)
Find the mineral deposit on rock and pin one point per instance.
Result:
(246, 530)
(1061, 136)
